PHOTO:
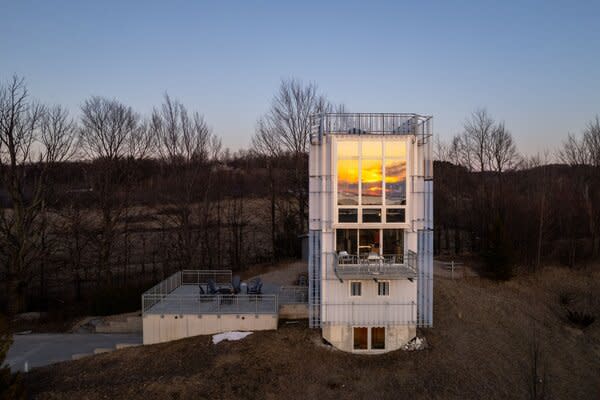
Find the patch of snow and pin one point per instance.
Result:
(229, 336)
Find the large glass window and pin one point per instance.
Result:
(347, 172)
(393, 243)
(346, 240)
(371, 172)
(371, 181)
(395, 172)
(369, 241)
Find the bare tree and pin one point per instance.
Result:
(285, 128)
(187, 146)
(584, 150)
(477, 137)
(503, 153)
(29, 136)
(574, 151)
(109, 136)
(591, 137)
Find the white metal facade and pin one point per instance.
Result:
(409, 301)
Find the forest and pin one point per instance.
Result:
(96, 208)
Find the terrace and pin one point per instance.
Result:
(184, 292)
(202, 302)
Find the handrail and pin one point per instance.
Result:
(293, 295)
(210, 304)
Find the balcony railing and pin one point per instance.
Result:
(375, 266)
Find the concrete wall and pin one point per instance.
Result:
(293, 311)
(340, 336)
(158, 328)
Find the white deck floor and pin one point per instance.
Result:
(186, 299)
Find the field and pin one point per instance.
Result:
(483, 345)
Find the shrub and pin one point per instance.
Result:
(580, 318)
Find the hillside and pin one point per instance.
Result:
(480, 347)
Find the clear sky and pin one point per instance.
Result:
(535, 65)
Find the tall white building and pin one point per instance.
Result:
(370, 229)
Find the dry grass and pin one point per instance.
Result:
(480, 347)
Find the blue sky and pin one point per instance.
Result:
(535, 65)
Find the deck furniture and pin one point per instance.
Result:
(235, 283)
(255, 286)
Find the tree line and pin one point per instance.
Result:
(517, 212)
(118, 199)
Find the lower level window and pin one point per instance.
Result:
(377, 338)
(383, 288)
(355, 288)
(361, 338)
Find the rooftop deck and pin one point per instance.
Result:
(186, 299)
(180, 294)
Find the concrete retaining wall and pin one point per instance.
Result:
(293, 311)
(164, 328)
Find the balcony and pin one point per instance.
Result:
(348, 266)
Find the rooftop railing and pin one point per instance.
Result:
(372, 123)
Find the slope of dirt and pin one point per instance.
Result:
(480, 347)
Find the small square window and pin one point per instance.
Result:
(347, 215)
(395, 215)
(383, 288)
(371, 215)
(355, 289)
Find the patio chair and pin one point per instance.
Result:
(235, 283)
(255, 289)
(212, 287)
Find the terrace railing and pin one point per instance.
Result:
(196, 277)
(375, 314)
(159, 291)
(293, 295)
(210, 304)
